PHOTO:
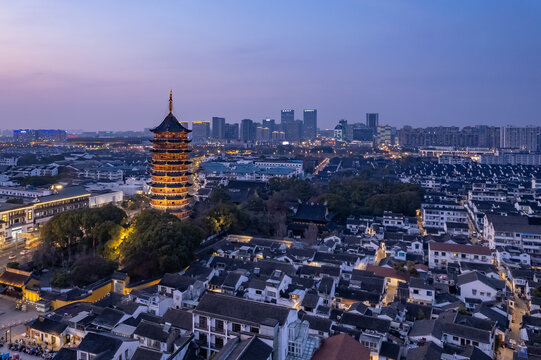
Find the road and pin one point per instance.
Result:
(321, 165)
(10, 250)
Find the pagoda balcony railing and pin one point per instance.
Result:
(180, 193)
(170, 207)
(171, 180)
(161, 168)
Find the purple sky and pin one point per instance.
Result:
(110, 64)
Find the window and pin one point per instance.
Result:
(437, 253)
(219, 342)
(455, 338)
(443, 254)
(203, 337)
(202, 322)
(235, 327)
(254, 330)
(474, 291)
(475, 343)
(482, 293)
(489, 294)
(259, 292)
(415, 291)
(429, 293)
(219, 324)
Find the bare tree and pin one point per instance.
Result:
(310, 234)
(280, 223)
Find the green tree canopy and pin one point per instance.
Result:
(159, 243)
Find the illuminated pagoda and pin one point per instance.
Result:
(170, 176)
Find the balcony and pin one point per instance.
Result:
(218, 330)
(200, 326)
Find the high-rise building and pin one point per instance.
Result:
(247, 133)
(372, 121)
(344, 124)
(218, 128)
(526, 138)
(293, 130)
(287, 116)
(386, 135)
(200, 132)
(262, 133)
(269, 123)
(310, 124)
(30, 135)
(170, 176)
(231, 132)
(363, 133)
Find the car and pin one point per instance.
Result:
(24, 252)
(474, 234)
(11, 257)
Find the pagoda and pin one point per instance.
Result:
(170, 184)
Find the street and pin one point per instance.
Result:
(11, 250)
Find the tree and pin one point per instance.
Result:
(89, 269)
(310, 234)
(83, 229)
(60, 279)
(219, 195)
(159, 243)
(281, 226)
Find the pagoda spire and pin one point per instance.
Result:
(171, 102)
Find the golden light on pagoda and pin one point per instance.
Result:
(170, 177)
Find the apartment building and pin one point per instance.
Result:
(442, 254)
(220, 318)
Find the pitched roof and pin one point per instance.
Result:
(428, 351)
(474, 276)
(341, 347)
(388, 272)
(234, 308)
(179, 318)
(151, 330)
(170, 124)
(47, 325)
(459, 248)
(176, 281)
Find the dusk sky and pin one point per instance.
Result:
(110, 64)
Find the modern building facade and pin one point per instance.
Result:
(310, 124)
(200, 132)
(170, 176)
(247, 133)
(372, 120)
(218, 128)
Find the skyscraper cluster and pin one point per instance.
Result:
(249, 131)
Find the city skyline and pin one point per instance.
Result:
(419, 65)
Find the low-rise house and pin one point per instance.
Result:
(421, 292)
(219, 318)
(106, 346)
(442, 254)
(474, 285)
(155, 336)
(49, 331)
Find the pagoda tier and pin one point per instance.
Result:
(170, 141)
(170, 185)
(170, 162)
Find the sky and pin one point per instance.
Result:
(109, 65)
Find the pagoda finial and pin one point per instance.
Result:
(171, 102)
